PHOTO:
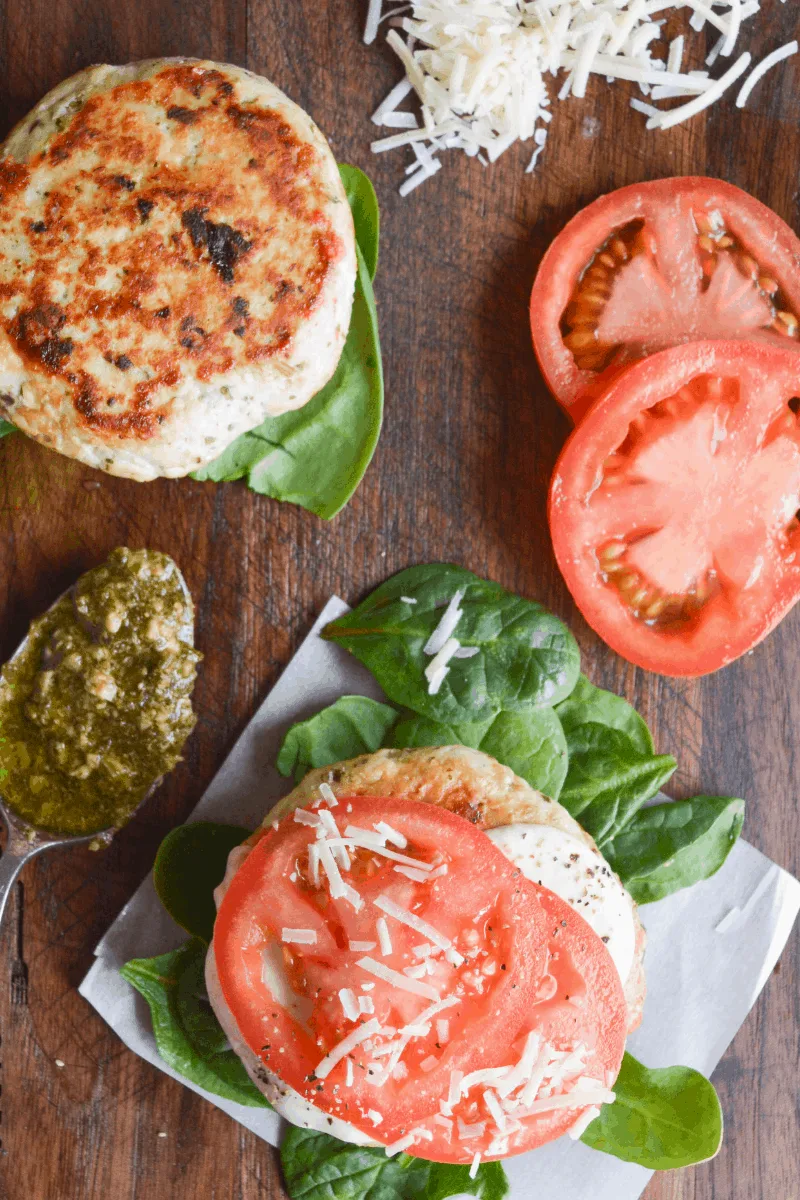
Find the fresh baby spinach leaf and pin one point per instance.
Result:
(524, 657)
(589, 704)
(670, 846)
(366, 214)
(612, 770)
(189, 864)
(317, 1166)
(188, 1035)
(6, 427)
(351, 726)
(662, 1118)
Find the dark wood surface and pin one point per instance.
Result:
(461, 473)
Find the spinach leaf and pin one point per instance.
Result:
(663, 1118)
(612, 768)
(6, 427)
(589, 704)
(366, 214)
(317, 1166)
(188, 1036)
(532, 744)
(527, 659)
(316, 456)
(190, 863)
(671, 846)
(351, 726)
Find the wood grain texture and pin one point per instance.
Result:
(462, 471)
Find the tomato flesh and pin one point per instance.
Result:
(673, 505)
(521, 968)
(653, 266)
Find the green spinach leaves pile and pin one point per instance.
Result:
(522, 699)
(316, 456)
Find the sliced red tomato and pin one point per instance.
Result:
(673, 507)
(656, 265)
(514, 974)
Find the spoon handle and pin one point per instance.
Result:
(10, 866)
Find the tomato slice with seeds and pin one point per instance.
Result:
(656, 265)
(514, 971)
(673, 507)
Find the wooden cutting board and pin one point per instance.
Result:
(461, 473)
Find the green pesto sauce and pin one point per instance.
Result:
(97, 705)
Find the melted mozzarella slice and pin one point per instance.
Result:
(288, 1103)
(580, 876)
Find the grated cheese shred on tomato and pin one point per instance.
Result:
(480, 71)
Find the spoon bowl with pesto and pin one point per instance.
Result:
(95, 707)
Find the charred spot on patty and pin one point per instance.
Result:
(241, 306)
(163, 313)
(186, 116)
(38, 227)
(145, 207)
(36, 335)
(123, 362)
(225, 245)
(124, 182)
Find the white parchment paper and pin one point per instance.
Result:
(711, 949)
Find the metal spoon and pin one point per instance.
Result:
(25, 841)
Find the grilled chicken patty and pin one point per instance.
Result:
(177, 262)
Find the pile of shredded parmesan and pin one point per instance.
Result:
(481, 68)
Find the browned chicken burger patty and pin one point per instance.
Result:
(177, 262)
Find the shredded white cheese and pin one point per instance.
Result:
(361, 947)
(384, 938)
(385, 904)
(303, 817)
(579, 1127)
(437, 668)
(397, 979)
(412, 873)
(313, 863)
(353, 839)
(573, 1099)
(467, 1133)
(389, 834)
(401, 1144)
(348, 1002)
(338, 888)
(343, 1048)
(480, 72)
(303, 937)
(446, 627)
(454, 1092)
(761, 69)
(328, 794)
